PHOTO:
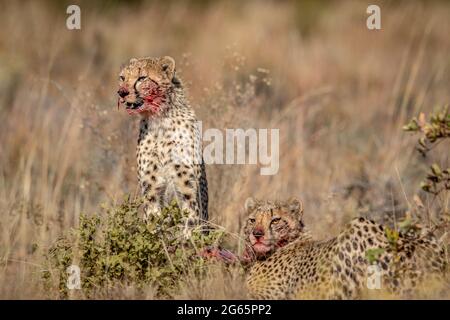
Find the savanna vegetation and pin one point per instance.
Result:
(340, 95)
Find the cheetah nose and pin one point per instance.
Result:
(258, 234)
(123, 92)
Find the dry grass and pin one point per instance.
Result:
(338, 92)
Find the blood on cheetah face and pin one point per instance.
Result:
(271, 225)
(145, 83)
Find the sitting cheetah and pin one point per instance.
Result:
(170, 164)
(289, 265)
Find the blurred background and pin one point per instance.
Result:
(338, 92)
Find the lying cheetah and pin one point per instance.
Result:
(170, 165)
(289, 265)
(269, 226)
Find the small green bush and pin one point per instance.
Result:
(433, 132)
(119, 247)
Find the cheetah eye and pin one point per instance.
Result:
(276, 220)
(141, 78)
(251, 220)
(122, 78)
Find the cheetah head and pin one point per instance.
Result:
(271, 225)
(146, 83)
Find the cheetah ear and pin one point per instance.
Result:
(250, 204)
(133, 60)
(295, 206)
(168, 66)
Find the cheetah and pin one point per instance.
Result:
(290, 265)
(169, 153)
(262, 235)
(271, 225)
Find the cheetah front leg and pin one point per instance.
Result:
(187, 187)
(152, 189)
(150, 210)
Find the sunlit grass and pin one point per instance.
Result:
(338, 92)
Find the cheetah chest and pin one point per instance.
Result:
(162, 149)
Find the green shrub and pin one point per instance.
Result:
(433, 132)
(118, 247)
